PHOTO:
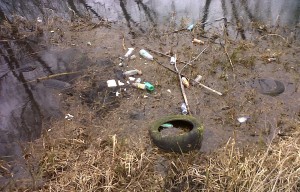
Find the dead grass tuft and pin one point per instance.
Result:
(115, 165)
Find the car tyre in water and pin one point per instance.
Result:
(180, 143)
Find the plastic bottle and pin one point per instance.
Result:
(190, 27)
(167, 125)
(129, 52)
(173, 60)
(132, 57)
(184, 109)
(185, 82)
(197, 79)
(138, 80)
(145, 54)
(198, 41)
(132, 72)
(139, 85)
(149, 86)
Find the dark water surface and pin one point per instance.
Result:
(26, 103)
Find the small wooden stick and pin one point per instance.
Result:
(225, 49)
(52, 76)
(157, 52)
(208, 88)
(189, 63)
(228, 57)
(204, 86)
(273, 35)
(182, 88)
(123, 42)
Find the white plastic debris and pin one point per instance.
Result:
(271, 59)
(173, 60)
(69, 117)
(131, 78)
(120, 64)
(242, 119)
(169, 90)
(190, 27)
(52, 31)
(132, 72)
(146, 54)
(89, 43)
(117, 94)
(111, 83)
(129, 52)
(138, 80)
(39, 20)
(120, 83)
(133, 57)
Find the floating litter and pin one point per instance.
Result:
(69, 117)
(131, 78)
(120, 83)
(129, 52)
(111, 83)
(167, 125)
(242, 119)
(138, 80)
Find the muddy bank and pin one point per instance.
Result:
(60, 68)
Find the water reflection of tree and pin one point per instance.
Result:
(205, 13)
(12, 61)
(147, 11)
(239, 24)
(128, 18)
(247, 10)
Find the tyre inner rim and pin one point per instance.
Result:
(179, 127)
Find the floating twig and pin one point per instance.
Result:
(189, 63)
(123, 43)
(53, 76)
(182, 88)
(158, 52)
(273, 35)
(228, 57)
(164, 66)
(208, 88)
(202, 85)
(176, 31)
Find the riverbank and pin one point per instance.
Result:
(104, 145)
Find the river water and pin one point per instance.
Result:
(26, 104)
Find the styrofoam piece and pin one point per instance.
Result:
(111, 83)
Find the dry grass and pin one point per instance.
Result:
(105, 165)
(83, 163)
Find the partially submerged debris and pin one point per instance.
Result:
(184, 110)
(146, 54)
(111, 83)
(190, 27)
(243, 119)
(185, 82)
(132, 72)
(198, 41)
(197, 80)
(129, 52)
